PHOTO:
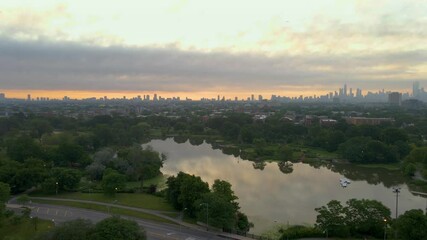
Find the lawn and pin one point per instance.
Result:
(388, 166)
(139, 200)
(112, 210)
(160, 181)
(24, 230)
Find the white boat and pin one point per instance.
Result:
(344, 182)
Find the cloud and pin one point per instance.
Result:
(44, 65)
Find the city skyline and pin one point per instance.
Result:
(202, 48)
(346, 93)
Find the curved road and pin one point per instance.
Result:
(155, 230)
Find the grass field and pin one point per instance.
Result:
(24, 230)
(139, 200)
(388, 166)
(112, 210)
(160, 181)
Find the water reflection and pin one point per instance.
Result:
(270, 195)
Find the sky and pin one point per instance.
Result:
(199, 48)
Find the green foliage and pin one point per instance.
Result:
(392, 135)
(116, 228)
(22, 148)
(38, 127)
(23, 199)
(331, 218)
(70, 154)
(285, 153)
(366, 217)
(68, 179)
(410, 169)
(219, 205)
(4, 192)
(217, 210)
(297, 232)
(366, 150)
(418, 154)
(112, 181)
(78, 229)
(412, 225)
(49, 186)
(359, 218)
(113, 228)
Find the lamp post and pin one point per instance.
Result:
(207, 215)
(385, 229)
(182, 217)
(397, 191)
(56, 183)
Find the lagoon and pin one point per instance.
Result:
(270, 196)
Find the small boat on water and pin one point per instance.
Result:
(344, 182)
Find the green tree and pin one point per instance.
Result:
(70, 154)
(221, 213)
(358, 218)
(144, 163)
(412, 225)
(116, 228)
(366, 217)
(38, 127)
(392, 135)
(22, 148)
(223, 189)
(67, 178)
(78, 229)
(4, 197)
(285, 153)
(184, 190)
(112, 181)
(331, 218)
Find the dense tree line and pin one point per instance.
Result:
(53, 153)
(368, 218)
(192, 195)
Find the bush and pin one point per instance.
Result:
(298, 231)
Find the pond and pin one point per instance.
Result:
(272, 194)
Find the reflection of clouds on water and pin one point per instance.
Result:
(270, 195)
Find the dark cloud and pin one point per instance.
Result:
(45, 65)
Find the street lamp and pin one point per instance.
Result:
(56, 183)
(397, 191)
(207, 215)
(385, 228)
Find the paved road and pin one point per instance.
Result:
(155, 231)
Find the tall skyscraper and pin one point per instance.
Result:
(2, 96)
(155, 97)
(345, 90)
(29, 97)
(415, 89)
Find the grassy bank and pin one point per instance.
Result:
(24, 230)
(105, 209)
(138, 200)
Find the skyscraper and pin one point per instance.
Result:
(415, 89)
(345, 90)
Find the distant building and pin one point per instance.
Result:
(416, 89)
(2, 96)
(395, 98)
(367, 121)
(327, 122)
(29, 97)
